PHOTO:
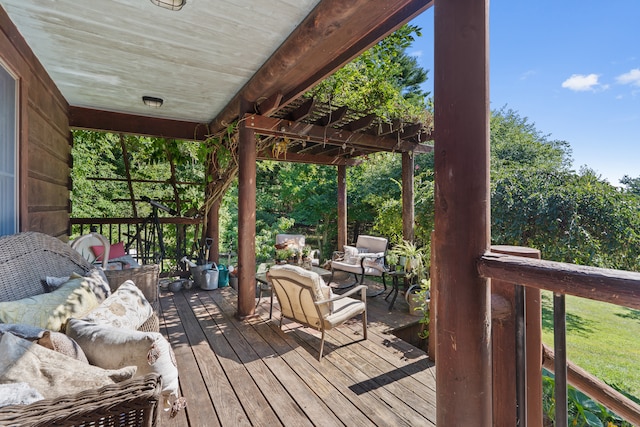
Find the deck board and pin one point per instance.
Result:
(250, 372)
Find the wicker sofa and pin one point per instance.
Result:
(25, 259)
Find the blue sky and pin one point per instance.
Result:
(572, 68)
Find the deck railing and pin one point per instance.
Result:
(181, 237)
(613, 286)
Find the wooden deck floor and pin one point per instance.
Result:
(236, 373)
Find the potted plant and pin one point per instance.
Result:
(413, 260)
(283, 255)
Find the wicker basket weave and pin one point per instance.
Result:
(133, 402)
(144, 277)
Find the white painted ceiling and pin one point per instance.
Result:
(195, 59)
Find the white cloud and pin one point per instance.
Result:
(632, 77)
(582, 82)
(416, 53)
(527, 74)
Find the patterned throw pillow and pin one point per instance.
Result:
(125, 308)
(114, 348)
(51, 310)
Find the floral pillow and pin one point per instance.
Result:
(125, 308)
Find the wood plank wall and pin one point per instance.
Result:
(44, 141)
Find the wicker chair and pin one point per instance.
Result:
(25, 259)
(133, 402)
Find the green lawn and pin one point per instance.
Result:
(603, 339)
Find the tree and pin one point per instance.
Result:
(538, 201)
(632, 184)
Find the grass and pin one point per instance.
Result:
(602, 338)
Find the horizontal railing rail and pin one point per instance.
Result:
(600, 284)
(617, 287)
(180, 237)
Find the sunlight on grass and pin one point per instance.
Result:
(602, 338)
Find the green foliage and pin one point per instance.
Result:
(582, 410)
(416, 260)
(383, 80)
(632, 185)
(538, 202)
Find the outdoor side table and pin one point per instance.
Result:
(396, 275)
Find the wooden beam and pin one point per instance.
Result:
(361, 123)
(86, 118)
(334, 33)
(153, 181)
(307, 158)
(330, 136)
(270, 104)
(409, 130)
(333, 116)
(462, 213)
(303, 111)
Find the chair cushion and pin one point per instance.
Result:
(372, 243)
(297, 289)
(371, 268)
(343, 310)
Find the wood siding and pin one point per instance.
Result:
(44, 138)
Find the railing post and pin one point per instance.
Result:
(505, 409)
(560, 363)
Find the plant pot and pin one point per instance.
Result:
(415, 301)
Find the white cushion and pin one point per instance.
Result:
(372, 243)
(51, 373)
(112, 348)
(125, 308)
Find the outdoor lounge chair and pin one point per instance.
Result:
(305, 298)
(366, 258)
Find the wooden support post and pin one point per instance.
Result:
(433, 313)
(504, 348)
(246, 220)
(462, 212)
(408, 211)
(213, 231)
(342, 206)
